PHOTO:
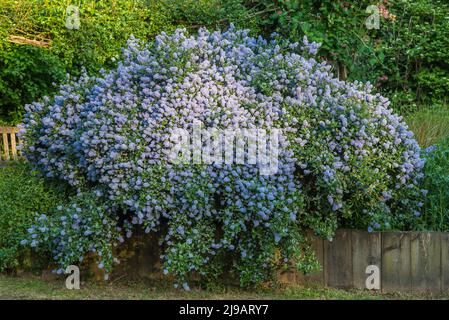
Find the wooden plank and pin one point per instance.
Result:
(316, 276)
(445, 263)
(5, 146)
(366, 250)
(395, 272)
(426, 262)
(22, 40)
(338, 260)
(9, 130)
(13, 146)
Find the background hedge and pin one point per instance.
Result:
(27, 73)
(407, 58)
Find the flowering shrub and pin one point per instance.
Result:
(344, 157)
(80, 226)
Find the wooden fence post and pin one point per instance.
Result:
(338, 260)
(8, 145)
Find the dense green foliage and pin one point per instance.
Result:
(28, 73)
(22, 195)
(436, 182)
(407, 57)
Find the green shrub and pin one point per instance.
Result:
(436, 209)
(22, 195)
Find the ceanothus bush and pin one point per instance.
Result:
(344, 158)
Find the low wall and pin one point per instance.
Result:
(415, 262)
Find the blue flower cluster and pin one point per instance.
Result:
(344, 157)
(81, 228)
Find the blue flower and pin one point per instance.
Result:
(430, 148)
(180, 230)
(277, 237)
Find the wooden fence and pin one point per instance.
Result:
(409, 262)
(8, 143)
(415, 262)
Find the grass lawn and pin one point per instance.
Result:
(31, 287)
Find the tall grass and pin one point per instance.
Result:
(430, 125)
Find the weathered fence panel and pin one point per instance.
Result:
(425, 259)
(408, 261)
(8, 143)
(317, 245)
(366, 251)
(395, 269)
(338, 260)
